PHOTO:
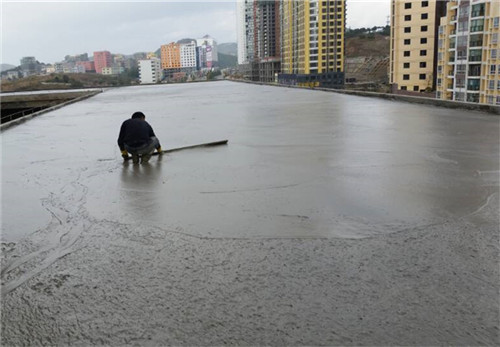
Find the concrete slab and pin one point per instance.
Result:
(327, 220)
(298, 164)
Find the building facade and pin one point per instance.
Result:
(150, 71)
(171, 56)
(207, 52)
(101, 60)
(312, 43)
(112, 70)
(188, 56)
(241, 31)
(469, 54)
(413, 45)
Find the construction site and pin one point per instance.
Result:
(324, 219)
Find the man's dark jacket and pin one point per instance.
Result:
(135, 133)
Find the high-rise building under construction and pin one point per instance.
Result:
(259, 39)
(312, 43)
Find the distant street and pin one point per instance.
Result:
(327, 219)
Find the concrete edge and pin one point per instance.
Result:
(49, 109)
(491, 109)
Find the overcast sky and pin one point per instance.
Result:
(51, 30)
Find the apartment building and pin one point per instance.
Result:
(188, 56)
(241, 30)
(469, 54)
(413, 46)
(101, 60)
(150, 70)
(312, 43)
(171, 56)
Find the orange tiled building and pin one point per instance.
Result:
(171, 56)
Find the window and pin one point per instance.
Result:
(423, 52)
(407, 41)
(493, 54)
(407, 65)
(477, 25)
(408, 5)
(423, 40)
(408, 17)
(406, 77)
(423, 64)
(421, 76)
(494, 38)
(491, 85)
(403, 88)
(407, 29)
(425, 3)
(423, 28)
(493, 69)
(496, 21)
(424, 16)
(406, 53)
(416, 88)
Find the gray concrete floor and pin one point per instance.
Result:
(327, 220)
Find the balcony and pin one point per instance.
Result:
(473, 87)
(453, 18)
(451, 59)
(476, 28)
(478, 43)
(453, 32)
(475, 58)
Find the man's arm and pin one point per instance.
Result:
(121, 137)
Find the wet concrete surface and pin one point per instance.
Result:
(327, 220)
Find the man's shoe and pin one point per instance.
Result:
(135, 158)
(145, 158)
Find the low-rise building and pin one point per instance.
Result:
(112, 70)
(150, 71)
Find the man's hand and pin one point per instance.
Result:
(159, 150)
(124, 154)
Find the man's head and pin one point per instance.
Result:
(138, 115)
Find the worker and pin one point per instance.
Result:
(138, 138)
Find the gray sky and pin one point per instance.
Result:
(50, 30)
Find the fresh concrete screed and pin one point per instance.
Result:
(328, 219)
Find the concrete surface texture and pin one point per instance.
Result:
(328, 219)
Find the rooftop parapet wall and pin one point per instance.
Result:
(413, 99)
(46, 102)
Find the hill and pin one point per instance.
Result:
(5, 67)
(229, 48)
(367, 61)
(226, 60)
(371, 45)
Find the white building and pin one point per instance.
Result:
(241, 31)
(188, 55)
(150, 70)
